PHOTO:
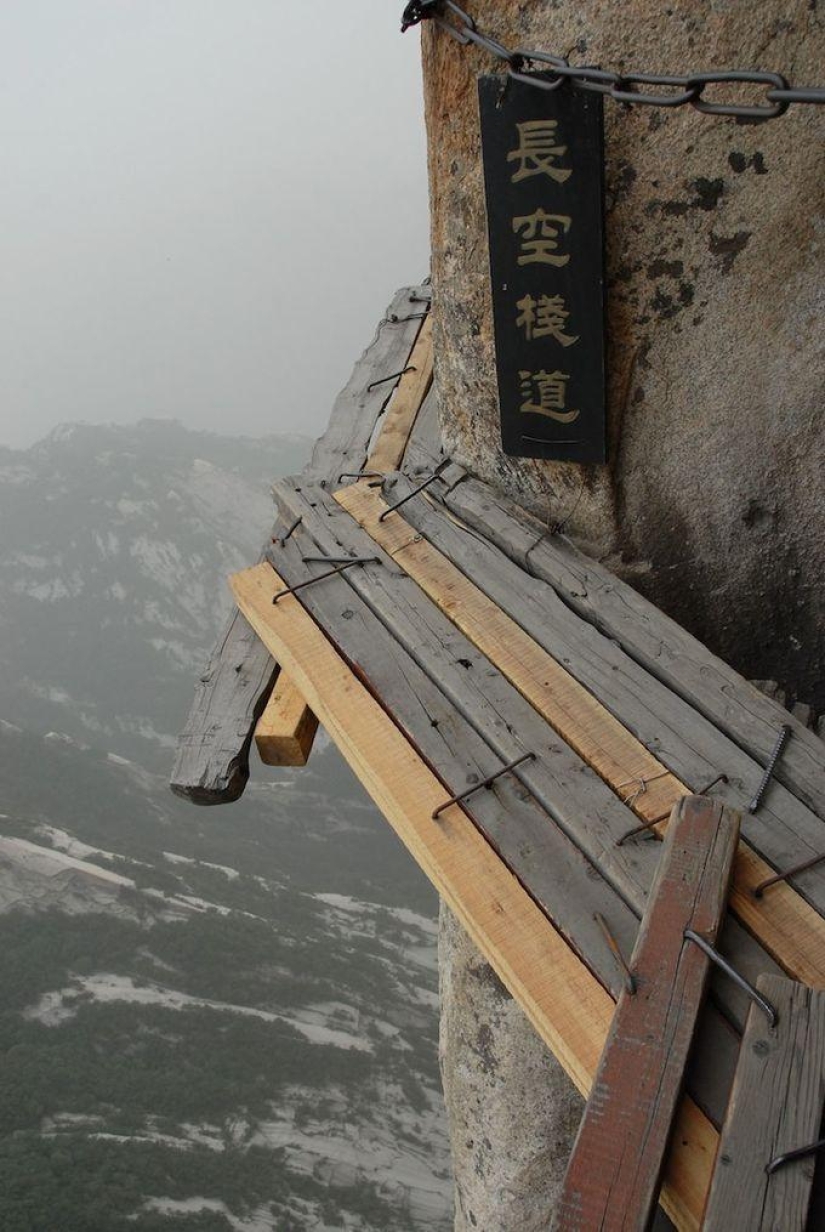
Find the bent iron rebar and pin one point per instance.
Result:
(739, 980)
(291, 590)
(488, 782)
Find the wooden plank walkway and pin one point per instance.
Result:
(586, 811)
(784, 831)
(787, 926)
(212, 756)
(564, 1001)
(776, 1106)
(662, 647)
(615, 1168)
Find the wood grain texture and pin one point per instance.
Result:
(424, 450)
(565, 1003)
(776, 1105)
(388, 451)
(613, 1177)
(787, 926)
(666, 650)
(346, 442)
(588, 813)
(784, 831)
(212, 754)
(465, 720)
(286, 729)
(615, 755)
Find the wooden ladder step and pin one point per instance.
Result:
(615, 1169)
(775, 1107)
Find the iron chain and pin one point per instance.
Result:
(639, 89)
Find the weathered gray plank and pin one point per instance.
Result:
(615, 1169)
(776, 1106)
(667, 651)
(345, 444)
(584, 808)
(212, 755)
(784, 831)
(424, 450)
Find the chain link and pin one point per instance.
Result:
(638, 89)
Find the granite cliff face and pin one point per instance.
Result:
(219, 1019)
(712, 501)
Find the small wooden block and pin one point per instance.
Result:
(616, 1166)
(287, 727)
(775, 1106)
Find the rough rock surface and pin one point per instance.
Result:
(716, 276)
(712, 500)
(511, 1109)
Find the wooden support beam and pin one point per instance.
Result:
(789, 929)
(615, 1169)
(287, 727)
(568, 1007)
(776, 1106)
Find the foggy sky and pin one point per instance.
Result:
(205, 206)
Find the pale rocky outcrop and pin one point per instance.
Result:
(712, 500)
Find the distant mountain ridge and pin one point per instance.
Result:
(214, 1020)
(116, 545)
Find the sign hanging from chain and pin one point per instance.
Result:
(543, 175)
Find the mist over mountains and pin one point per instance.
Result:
(213, 1019)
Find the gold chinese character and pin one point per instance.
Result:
(540, 237)
(545, 393)
(544, 318)
(538, 152)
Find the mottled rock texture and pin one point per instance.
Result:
(512, 1111)
(716, 275)
(712, 502)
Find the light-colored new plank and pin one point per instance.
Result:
(565, 1003)
(775, 1107)
(406, 403)
(287, 727)
(790, 930)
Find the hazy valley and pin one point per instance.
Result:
(213, 1019)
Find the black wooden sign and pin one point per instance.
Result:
(543, 174)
